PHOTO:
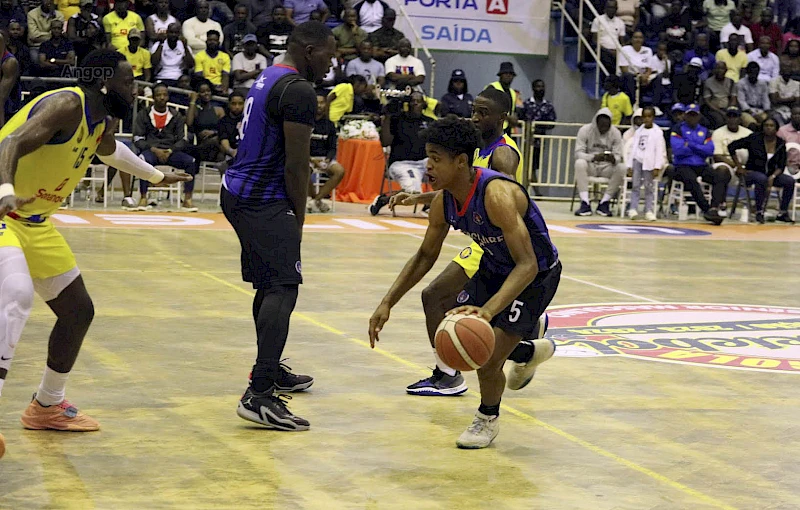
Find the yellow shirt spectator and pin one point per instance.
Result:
(119, 27)
(212, 67)
(735, 63)
(342, 103)
(68, 7)
(620, 106)
(139, 60)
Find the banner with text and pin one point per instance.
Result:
(489, 26)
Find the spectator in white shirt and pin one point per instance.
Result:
(172, 58)
(633, 64)
(784, 92)
(248, 64)
(768, 62)
(608, 29)
(370, 14)
(196, 29)
(156, 25)
(736, 27)
(405, 69)
(366, 66)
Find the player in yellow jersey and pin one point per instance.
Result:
(44, 151)
(500, 153)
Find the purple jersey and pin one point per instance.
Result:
(257, 173)
(473, 220)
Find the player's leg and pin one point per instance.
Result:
(182, 161)
(335, 173)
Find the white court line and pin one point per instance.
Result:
(329, 227)
(406, 224)
(364, 225)
(69, 219)
(578, 280)
(565, 230)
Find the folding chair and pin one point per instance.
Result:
(679, 197)
(625, 194)
(97, 173)
(210, 171)
(596, 187)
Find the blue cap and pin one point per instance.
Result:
(249, 38)
(678, 107)
(692, 108)
(733, 111)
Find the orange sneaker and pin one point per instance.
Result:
(2, 446)
(63, 416)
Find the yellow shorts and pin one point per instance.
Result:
(46, 250)
(470, 259)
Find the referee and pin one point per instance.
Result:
(264, 199)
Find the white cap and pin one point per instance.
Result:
(696, 61)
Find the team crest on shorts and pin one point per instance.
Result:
(298, 267)
(465, 253)
(463, 297)
(477, 218)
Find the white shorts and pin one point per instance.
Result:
(409, 174)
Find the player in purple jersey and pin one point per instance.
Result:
(519, 271)
(264, 198)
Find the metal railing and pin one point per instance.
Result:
(419, 45)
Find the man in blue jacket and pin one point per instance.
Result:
(691, 147)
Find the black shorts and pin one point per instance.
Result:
(521, 315)
(270, 240)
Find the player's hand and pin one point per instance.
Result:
(11, 203)
(472, 310)
(173, 177)
(402, 198)
(376, 322)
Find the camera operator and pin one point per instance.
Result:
(400, 129)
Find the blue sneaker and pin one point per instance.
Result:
(604, 209)
(584, 210)
(439, 385)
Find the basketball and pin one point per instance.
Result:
(464, 342)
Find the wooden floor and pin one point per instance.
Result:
(603, 426)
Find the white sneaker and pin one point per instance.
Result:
(481, 433)
(650, 216)
(520, 374)
(310, 205)
(322, 206)
(632, 214)
(129, 205)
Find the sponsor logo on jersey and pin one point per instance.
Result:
(298, 267)
(477, 218)
(465, 253)
(463, 297)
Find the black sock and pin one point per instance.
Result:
(522, 353)
(261, 384)
(489, 410)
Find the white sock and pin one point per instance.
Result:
(606, 198)
(2, 382)
(53, 387)
(584, 196)
(444, 368)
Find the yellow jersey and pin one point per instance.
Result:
(52, 171)
(343, 104)
(483, 157)
(119, 27)
(212, 67)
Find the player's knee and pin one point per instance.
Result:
(18, 290)
(433, 296)
(336, 171)
(83, 312)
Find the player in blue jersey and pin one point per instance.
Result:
(519, 271)
(264, 198)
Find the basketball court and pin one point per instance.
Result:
(647, 405)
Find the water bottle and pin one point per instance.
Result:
(683, 212)
(744, 217)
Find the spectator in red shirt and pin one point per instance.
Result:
(768, 28)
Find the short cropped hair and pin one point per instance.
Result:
(498, 97)
(310, 33)
(96, 62)
(455, 135)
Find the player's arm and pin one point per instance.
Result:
(417, 267)
(506, 204)
(505, 160)
(299, 111)
(10, 76)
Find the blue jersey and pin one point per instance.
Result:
(473, 220)
(257, 173)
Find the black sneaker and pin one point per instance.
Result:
(439, 385)
(270, 410)
(289, 382)
(584, 210)
(785, 217)
(378, 204)
(760, 218)
(713, 216)
(604, 209)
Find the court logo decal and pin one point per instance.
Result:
(465, 253)
(477, 218)
(643, 230)
(462, 298)
(742, 337)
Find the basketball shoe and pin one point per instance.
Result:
(439, 384)
(481, 433)
(288, 382)
(520, 373)
(63, 416)
(268, 408)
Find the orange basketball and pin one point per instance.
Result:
(464, 342)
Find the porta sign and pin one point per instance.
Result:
(490, 26)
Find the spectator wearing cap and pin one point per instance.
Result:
(196, 29)
(234, 33)
(768, 28)
(731, 131)
(719, 92)
(57, 52)
(370, 14)
(299, 11)
(119, 22)
(366, 66)
(248, 64)
(137, 57)
(784, 92)
(687, 84)
(768, 62)
(615, 100)
(39, 26)
(598, 153)
(85, 30)
(172, 57)
(157, 24)
(273, 36)
(214, 65)
(791, 132)
(458, 101)
(348, 36)
(702, 52)
(506, 76)
(386, 39)
(753, 96)
(9, 11)
(736, 27)
(734, 57)
(691, 145)
(766, 162)
(404, 69)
